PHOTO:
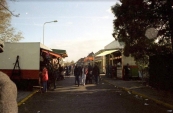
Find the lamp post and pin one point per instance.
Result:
(43, 28)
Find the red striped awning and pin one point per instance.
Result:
(53, 54)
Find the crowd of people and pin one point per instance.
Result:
(83, 75)
(86, 73)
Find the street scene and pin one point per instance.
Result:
(86, 56)
(91, 98)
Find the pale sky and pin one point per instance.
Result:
(83, 26)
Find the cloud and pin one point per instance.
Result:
(69, 23)
(80, 48)
(106, 17)
(109, 10)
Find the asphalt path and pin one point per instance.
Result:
(91, 98)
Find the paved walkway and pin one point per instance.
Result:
(22, 96)
(134, 87)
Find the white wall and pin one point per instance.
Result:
(29, 55)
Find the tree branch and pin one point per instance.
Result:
(9, 10)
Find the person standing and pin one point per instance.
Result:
(72, 69)
(66, 70)
(80, 74)
(77, 74)
(61, 73)
(55, 76)
(89, 75)
(44, 79)
(114, 71)
(84, 73)
(69, 70)
(126, 72)
(96, 73)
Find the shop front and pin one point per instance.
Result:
(113, 57)
(99, 62)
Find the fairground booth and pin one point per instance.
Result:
(113, 54)
(23, 61)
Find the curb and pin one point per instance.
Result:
(144, 96)
(26, 98)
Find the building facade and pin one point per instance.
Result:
(112, 54)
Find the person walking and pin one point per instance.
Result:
(77, 74)
(84, 73)
(44, 79)
(96, 73)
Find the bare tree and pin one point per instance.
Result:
(7, 32)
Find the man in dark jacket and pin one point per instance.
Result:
(89, 75)
(126, 72)
(96, 73)
(77, 74)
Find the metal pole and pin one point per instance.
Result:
(43, 33)
(43, 28)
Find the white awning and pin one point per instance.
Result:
(45, 47)
(104, 52)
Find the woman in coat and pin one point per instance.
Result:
(44, 79)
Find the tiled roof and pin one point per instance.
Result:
(91, 54)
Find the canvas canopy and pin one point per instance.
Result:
(104, 52)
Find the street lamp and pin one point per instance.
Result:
(43, 27)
